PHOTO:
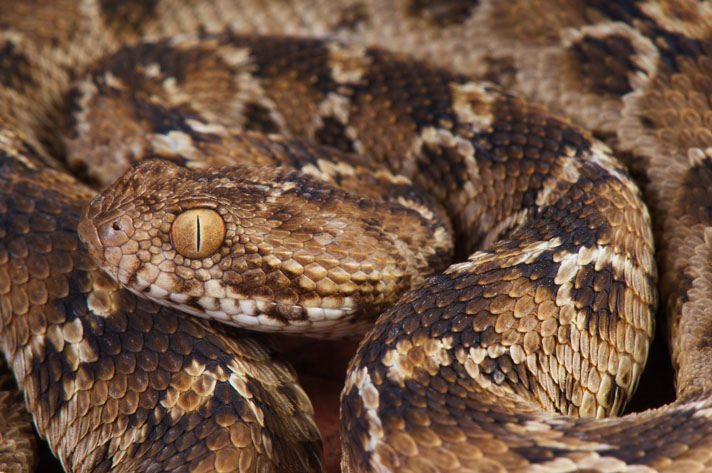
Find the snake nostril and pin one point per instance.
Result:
(115, 231)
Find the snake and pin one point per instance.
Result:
(511, 358)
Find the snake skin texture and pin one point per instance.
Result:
(506, 361)
(17, 442)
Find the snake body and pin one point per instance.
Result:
(470, 370)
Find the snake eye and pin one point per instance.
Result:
(198, 233)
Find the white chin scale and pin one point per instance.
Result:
(253, 314)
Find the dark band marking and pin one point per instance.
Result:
(351, 17)
(607, 62)
(162, 120)
(640, 450)
(302, 60)
(443, 12)
(695, 198)
(675, 48)
(257, 118)
(672, 46)
(174, 61)
(623, 10)
(15, 67)
(418, 93)
(128, 16)
(333, 133)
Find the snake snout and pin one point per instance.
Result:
(100, 231)
(115, 231)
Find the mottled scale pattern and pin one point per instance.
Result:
(506, 361)
(298, 255)
(18, 451)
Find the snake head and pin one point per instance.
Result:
(257, 247)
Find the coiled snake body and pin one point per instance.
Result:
(470, 370)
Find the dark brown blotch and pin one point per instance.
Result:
(443, 13)
(128, 17)
(625, 11)
(298, 61)
(695, 194)
(675, 49)
(606, 63)
(333, 133)
(161, 119)
(174, 61)
(71, 110)
(354, 422)
(15, 67)
(258, 118)
(571, 217)
(351, 17)
(409, 91)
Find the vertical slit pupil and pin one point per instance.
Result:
(197, 231)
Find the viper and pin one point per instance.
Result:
(506, 360)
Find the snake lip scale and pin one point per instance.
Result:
(365, 150)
